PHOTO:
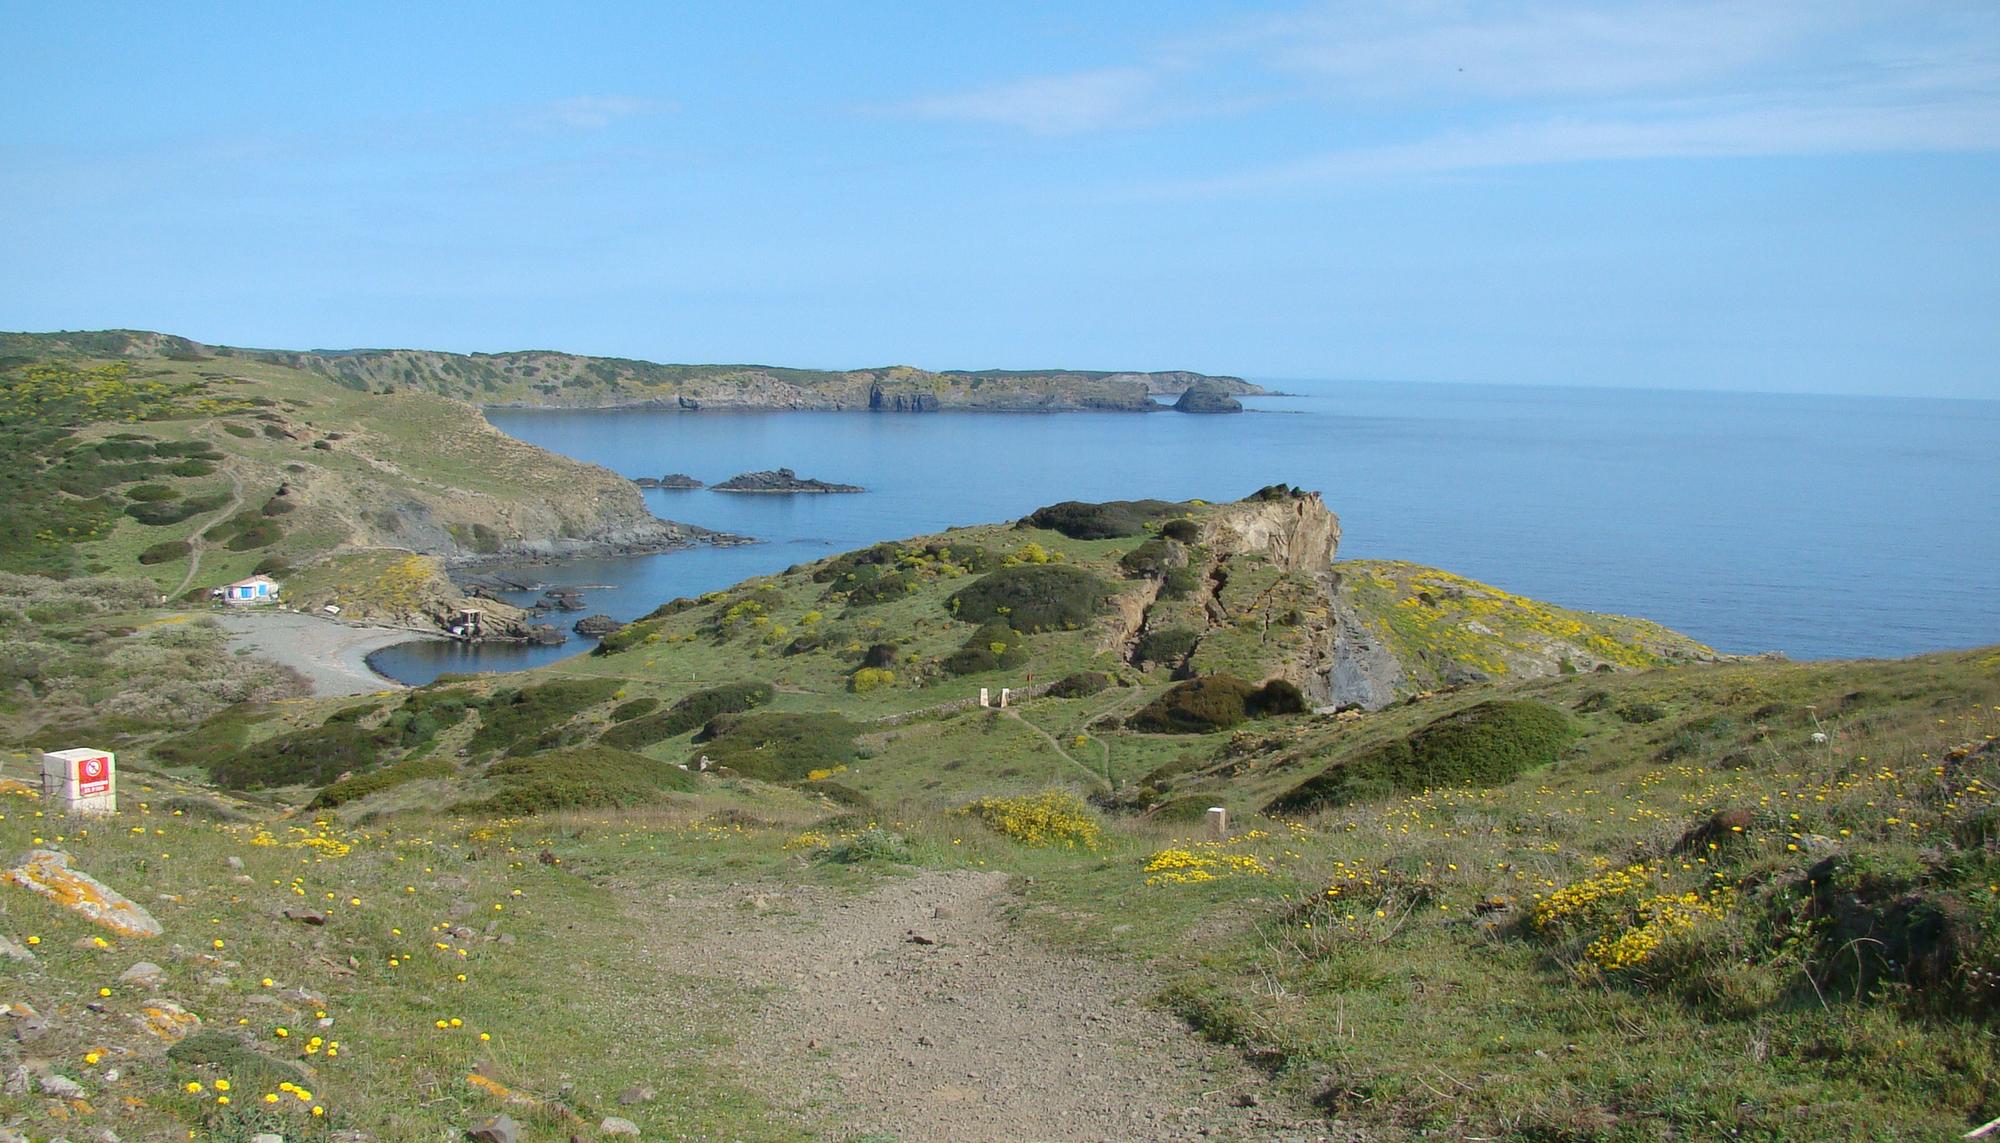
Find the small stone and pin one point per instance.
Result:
(14, 951)
(305, 916)
(237, 863)
(613, 1125)
(637, 1095)
(495, 1129)
(60, 1086)
(1247, 1099)
(267, 1137)
(921, 937)
(145, 974)
(30, 1029)
(943, 912)
(244, 879)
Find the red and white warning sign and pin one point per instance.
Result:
(81, 781)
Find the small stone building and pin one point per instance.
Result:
(256, 589)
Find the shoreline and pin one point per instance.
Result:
(331, 654)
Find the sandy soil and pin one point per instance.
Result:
(330, 653)
(982, 1034)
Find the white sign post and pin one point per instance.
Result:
(81, 781)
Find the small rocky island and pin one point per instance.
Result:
(672, 480)
(783, 480)
(1207, 396)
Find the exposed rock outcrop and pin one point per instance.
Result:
(673, 481)
(902, 401)
(781, 480)
(1207, 396)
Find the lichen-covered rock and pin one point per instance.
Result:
(167, 1020)
(47, 871)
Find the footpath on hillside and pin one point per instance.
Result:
(916, 1011)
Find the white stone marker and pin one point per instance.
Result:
(1218, 822)
(81, 781)
(1004, 692)
(983, 700)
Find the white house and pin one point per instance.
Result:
(256, 589)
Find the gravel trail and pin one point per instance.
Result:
(982, 1035)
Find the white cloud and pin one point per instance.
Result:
(1052, 105)
(592, 112)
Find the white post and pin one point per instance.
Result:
(1218, 822)
(1004, 692)
(983, 701)
(81, 781)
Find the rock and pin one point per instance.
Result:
(305, 916)
(545, 635)
(235, 862)
(166, 1020)
(781, 480)
(921, 937)
(596, 626)
(613, 1125)
(13, 950)
(637, 1095)
(911, 401)
(495, 1129)
(47, 871)
(145, 974)
(1207, 396)
(943, 912)
(60, 1086)
(267, 1137)
(673, 481)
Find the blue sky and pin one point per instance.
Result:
(1735, 195)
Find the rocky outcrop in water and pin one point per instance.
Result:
(673, 481)
(1207, 396)
(781, 480)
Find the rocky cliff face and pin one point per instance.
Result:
(1207, 396)
(1295, 530)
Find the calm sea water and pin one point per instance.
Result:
(1816, 526)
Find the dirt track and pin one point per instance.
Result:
(983, 1035)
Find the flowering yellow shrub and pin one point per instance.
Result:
(1195, 862)
(1052, 817)
(1629, 911)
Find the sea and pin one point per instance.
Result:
(1816, 526)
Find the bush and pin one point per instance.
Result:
(687, 714)
(1106, 521)
(1169, 647)
(1035, 597)
(627, 711)
(778, 747)
(1154, 558)
(872, 844)
(1180, 582)
(884, 588)
(1486, 744)
(511, 717)
(869, 678)
(388, 777)
(164, 551)
(1083, 684)
(1274, 698)
(879, 655)
(259, 535)
(312, 757)
(588, 777)
(1185, 531)
(192, 468)
(236, 430)
(150, 493)
(1052, 817)
(994, 646)
(1213, 702)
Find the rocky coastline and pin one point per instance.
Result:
(780, 481)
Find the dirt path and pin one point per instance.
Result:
(983, 1035)
(198, 541)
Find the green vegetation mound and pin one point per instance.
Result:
(1107, 521)
(1484, 745)
(779, 747)
(687, 714)
(1082, 684)
(1215, 702)
(587, 777)
(995, 646)
(1033, 597)
(514, 719)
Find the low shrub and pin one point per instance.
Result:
(164, 551)
(870, 678)
(1052, 817)
(1275, 698)
(1185, 531)
(1083, 684)
(873, 844)
(627, 711)
(1033, 597)
(687, 714)
(587, 777)
(1106, 521)
(993, 647)
(779, 747)
(885, 588)
(1154, 558)
(312, 757)
(1168, 647)
(374, 782)
(1484, 745)
(150, 493)
(1197, 706)
(236, 430)
(1180, 582)
(512, 717)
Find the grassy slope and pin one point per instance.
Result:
(1391, 962)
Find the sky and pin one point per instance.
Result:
(1741, 195)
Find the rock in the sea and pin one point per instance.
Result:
(546, 635)
(782, 480)
(596, 626)
(1207, 396)
(673, 481)
(47, 871)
